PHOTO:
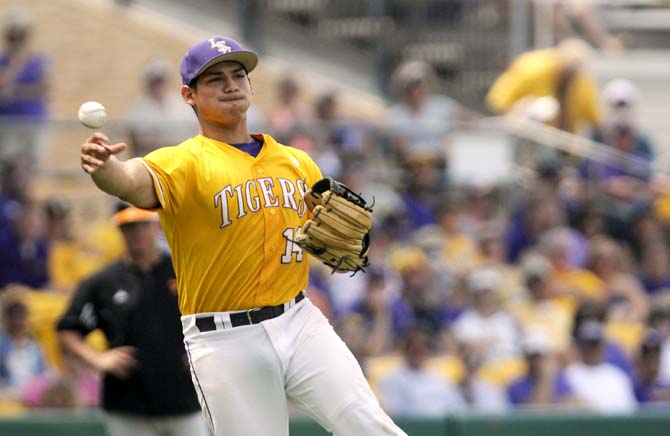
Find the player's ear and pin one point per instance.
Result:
(187, 94)
(251, 85)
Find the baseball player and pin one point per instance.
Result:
(234, 207)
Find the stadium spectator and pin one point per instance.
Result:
(24, 87)
(418, 124)
(659, 320)
(73, 385)
(539, 310)
(159, 117)
(15, 183)
(601, 386)
(432, 241)
(57, 212)
(348, 136)
(21, 358)
(288, 114)
(413, 390)
(367, 329)
(422, 301)
(649, 388)
(485, 207)
(24, 249)
(537, 213)
(643, 229)
(655, 267)
(134, 302)
(606, 260)
(557, 72)
(613, 352)
(422, 191)
(459, 249)
(420, 119)
(481, 395)
(620, 180)
(589, 219)
(620, 128)
(491, 252)
(72, 257)
(339, 142)
(486, 327)
(573, 284)
(64, 254)
(544, 383)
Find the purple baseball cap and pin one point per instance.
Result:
(210, 51)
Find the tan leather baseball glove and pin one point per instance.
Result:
(339, 232)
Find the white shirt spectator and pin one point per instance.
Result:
(408, 392)
(345, 291)
(488, 397)
(425, 129)
(20, 363)
(605, 388)
(497, 334)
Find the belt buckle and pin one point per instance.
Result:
(255, 309)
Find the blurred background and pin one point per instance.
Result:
(517, 151)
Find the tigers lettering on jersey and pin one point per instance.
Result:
(252, 195)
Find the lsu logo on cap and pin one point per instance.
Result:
(220, 46)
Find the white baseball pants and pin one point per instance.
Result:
(244, 375)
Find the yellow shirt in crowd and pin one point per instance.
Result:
(536, 74)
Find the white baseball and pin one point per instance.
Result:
(92, 114)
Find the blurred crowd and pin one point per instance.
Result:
(549, 289)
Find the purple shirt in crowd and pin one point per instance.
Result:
(33, 72)
(24, 264)
(520, 390)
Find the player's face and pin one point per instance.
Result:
(223, 94)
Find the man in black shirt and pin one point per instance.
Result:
(147, 385)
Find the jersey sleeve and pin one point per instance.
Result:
(81, 314)
(169, 168)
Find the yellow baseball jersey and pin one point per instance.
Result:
(229, 219)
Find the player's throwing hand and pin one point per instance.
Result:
(96, 150)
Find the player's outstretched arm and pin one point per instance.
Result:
(129, 180)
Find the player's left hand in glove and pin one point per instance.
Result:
(339, 232)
